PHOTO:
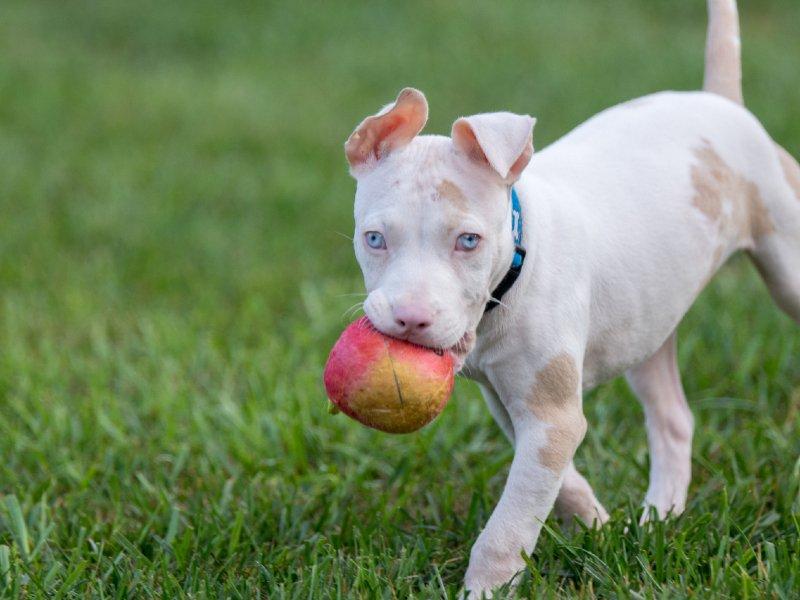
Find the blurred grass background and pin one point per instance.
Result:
(173, 195)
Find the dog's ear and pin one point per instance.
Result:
(501, 140)
(392, 128)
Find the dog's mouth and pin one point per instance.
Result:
(461, 349)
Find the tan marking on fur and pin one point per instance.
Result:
(450, 191)
(555, 400)
(791, 171)
(728, 199)
(760, 222)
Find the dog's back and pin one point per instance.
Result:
(664, 189)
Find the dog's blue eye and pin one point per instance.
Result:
(467, 241)
(375, 240)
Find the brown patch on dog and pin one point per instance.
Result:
(791, 170)
(760, 222)
(727, 198)
(450, 191)
(555, 400)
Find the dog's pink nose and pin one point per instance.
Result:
(411, 318)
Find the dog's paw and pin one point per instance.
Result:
(661, 511)
(488, 572)
(670, 501)
(479, 591)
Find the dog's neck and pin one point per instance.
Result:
(495, 324)
(518, 258)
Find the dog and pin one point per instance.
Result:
(548, 274)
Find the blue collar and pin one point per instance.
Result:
(519, 254)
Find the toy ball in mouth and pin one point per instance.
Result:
(385, 383)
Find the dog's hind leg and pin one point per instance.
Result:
(657, 384)
(576, 499)
(777, 254)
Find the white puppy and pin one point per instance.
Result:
(624, 221)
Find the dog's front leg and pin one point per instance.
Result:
(548, 426)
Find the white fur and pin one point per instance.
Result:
(617, 253)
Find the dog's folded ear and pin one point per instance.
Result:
(392, 128)
(501, 140)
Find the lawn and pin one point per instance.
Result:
(174, 266)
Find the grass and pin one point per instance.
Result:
(172, 275)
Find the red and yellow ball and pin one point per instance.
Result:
(385, 383)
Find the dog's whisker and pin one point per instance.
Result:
(500, 302)
(352, 310)
(344, 235)
(465, 372)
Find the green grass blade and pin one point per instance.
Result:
(16, 524)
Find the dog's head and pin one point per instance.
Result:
(432, 215)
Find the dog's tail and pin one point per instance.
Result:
(723, 74)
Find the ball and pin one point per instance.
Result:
(385, 383)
